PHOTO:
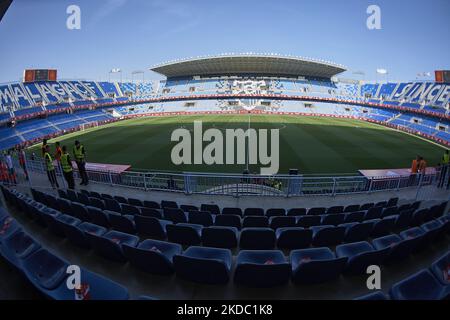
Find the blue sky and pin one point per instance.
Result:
(136, 34)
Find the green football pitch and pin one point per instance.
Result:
(314, 145)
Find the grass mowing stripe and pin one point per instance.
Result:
(311, 144)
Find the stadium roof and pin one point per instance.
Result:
(249, 63)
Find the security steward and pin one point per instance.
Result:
(66, 165)
(445, 163)
(80, 158)
(51, 173)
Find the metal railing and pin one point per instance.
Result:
(238, 184)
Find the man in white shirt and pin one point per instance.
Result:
(9, 164)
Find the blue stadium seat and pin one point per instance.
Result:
(332, 219)
(233, 211)
(315, 265)
(46, 217)
(151, 227)
(382, 227)
(420, 286)
(135, 202)
(129, 209)
(61, 194)
(151, 212)
(441, 269)
(79, 211)
(83, 198)
(122, 223)
(228, 220)
(98, 203)
(94, 194)
(392, 202)
(317, 211)
(204, 218)
(357, 216)
(399, 248)
(373, 213)
(257, 238)
(52, 202)
(445, 220)
(390, 211)
(261, 268)
(417, 235)
(274, 212)
(335, 210)
(175, 215)
(296, 212)
(77, 234)
(113, 205)
(17, 247)
(253, 212)
(351, 208)
(168, 204)
(72, 195)
(121, 199)
(153, 256)
(308, 221)
(360, 255)
(357, 231)
(7, 227)
(45, 270)
(184, 233)
(94, 287)
(404, 219)
(65, 206)
(293, 237)
(381, 204)
(276, 222)
(377, 295)
(211, 208)
(220, 237)
(110, 244)
(255, 222)
(152, 204)
(367, 206)
(418, 217)
(188, 207)
(204, 265)
(106, 196)
(98, 217)
(327, 235)
(56, 224)
(432, 229)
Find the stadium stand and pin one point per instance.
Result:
(206, 262)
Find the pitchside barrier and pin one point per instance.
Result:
(236, 184)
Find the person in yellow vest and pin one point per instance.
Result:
(50, 167)
(66, 166)
(80, 158)
(445, 163)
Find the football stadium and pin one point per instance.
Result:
(229, 176)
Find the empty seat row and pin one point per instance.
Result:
(287, 236)
(115, 202)
(254, 268)
(349, 258)
(48, 272)
(205, 218)
(426, 284)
